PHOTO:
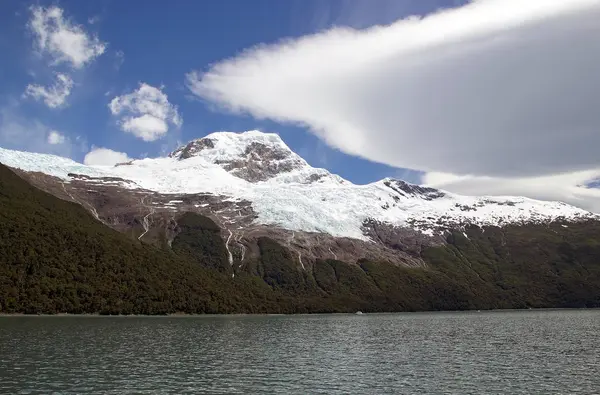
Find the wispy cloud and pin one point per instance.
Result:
(146, 113)
(55, 137)
(94, 19)
(119, 59)
(55, 95)
(23, 133)
(362, 13)
(62, 44)
(61, 39)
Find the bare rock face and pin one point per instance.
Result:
(193, 148)
(262, 162)
(308, 248)
(406, 240)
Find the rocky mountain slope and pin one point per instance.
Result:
(252, 185)
(57, 257)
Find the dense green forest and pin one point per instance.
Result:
(56, 258)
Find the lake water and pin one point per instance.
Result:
(490, 352)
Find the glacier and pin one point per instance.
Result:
(301, 197)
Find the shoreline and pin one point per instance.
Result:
(237, 315)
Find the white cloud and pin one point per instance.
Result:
(568, 187)
(55, 137)
(104, 157)
(503, 88)
(64, 41)
(55, 95)
(146, 126)
(146, 112)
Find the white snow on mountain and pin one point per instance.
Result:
(228, 146)
(296, 196)
(255, 156)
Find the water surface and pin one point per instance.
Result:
(490, 352)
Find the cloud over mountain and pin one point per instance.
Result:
(495, 88)
(99, 156)
(572, 188)
(146, 113)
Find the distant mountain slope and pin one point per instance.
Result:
(55, 257)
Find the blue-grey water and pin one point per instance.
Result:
(517, 352)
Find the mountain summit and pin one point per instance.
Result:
(252, 156)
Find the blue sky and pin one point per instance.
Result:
(158, 45)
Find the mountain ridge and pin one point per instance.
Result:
(285, 191)
(314, 214)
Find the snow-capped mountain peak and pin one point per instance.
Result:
(228, 146)
(253, 156)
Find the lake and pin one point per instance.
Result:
(515, 352)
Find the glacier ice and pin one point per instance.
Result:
(330, 204)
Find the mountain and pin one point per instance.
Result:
(252, 185)
(243, 219)
(55, 257)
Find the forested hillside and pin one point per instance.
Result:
(55, 257)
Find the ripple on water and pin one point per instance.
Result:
(498, 352)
